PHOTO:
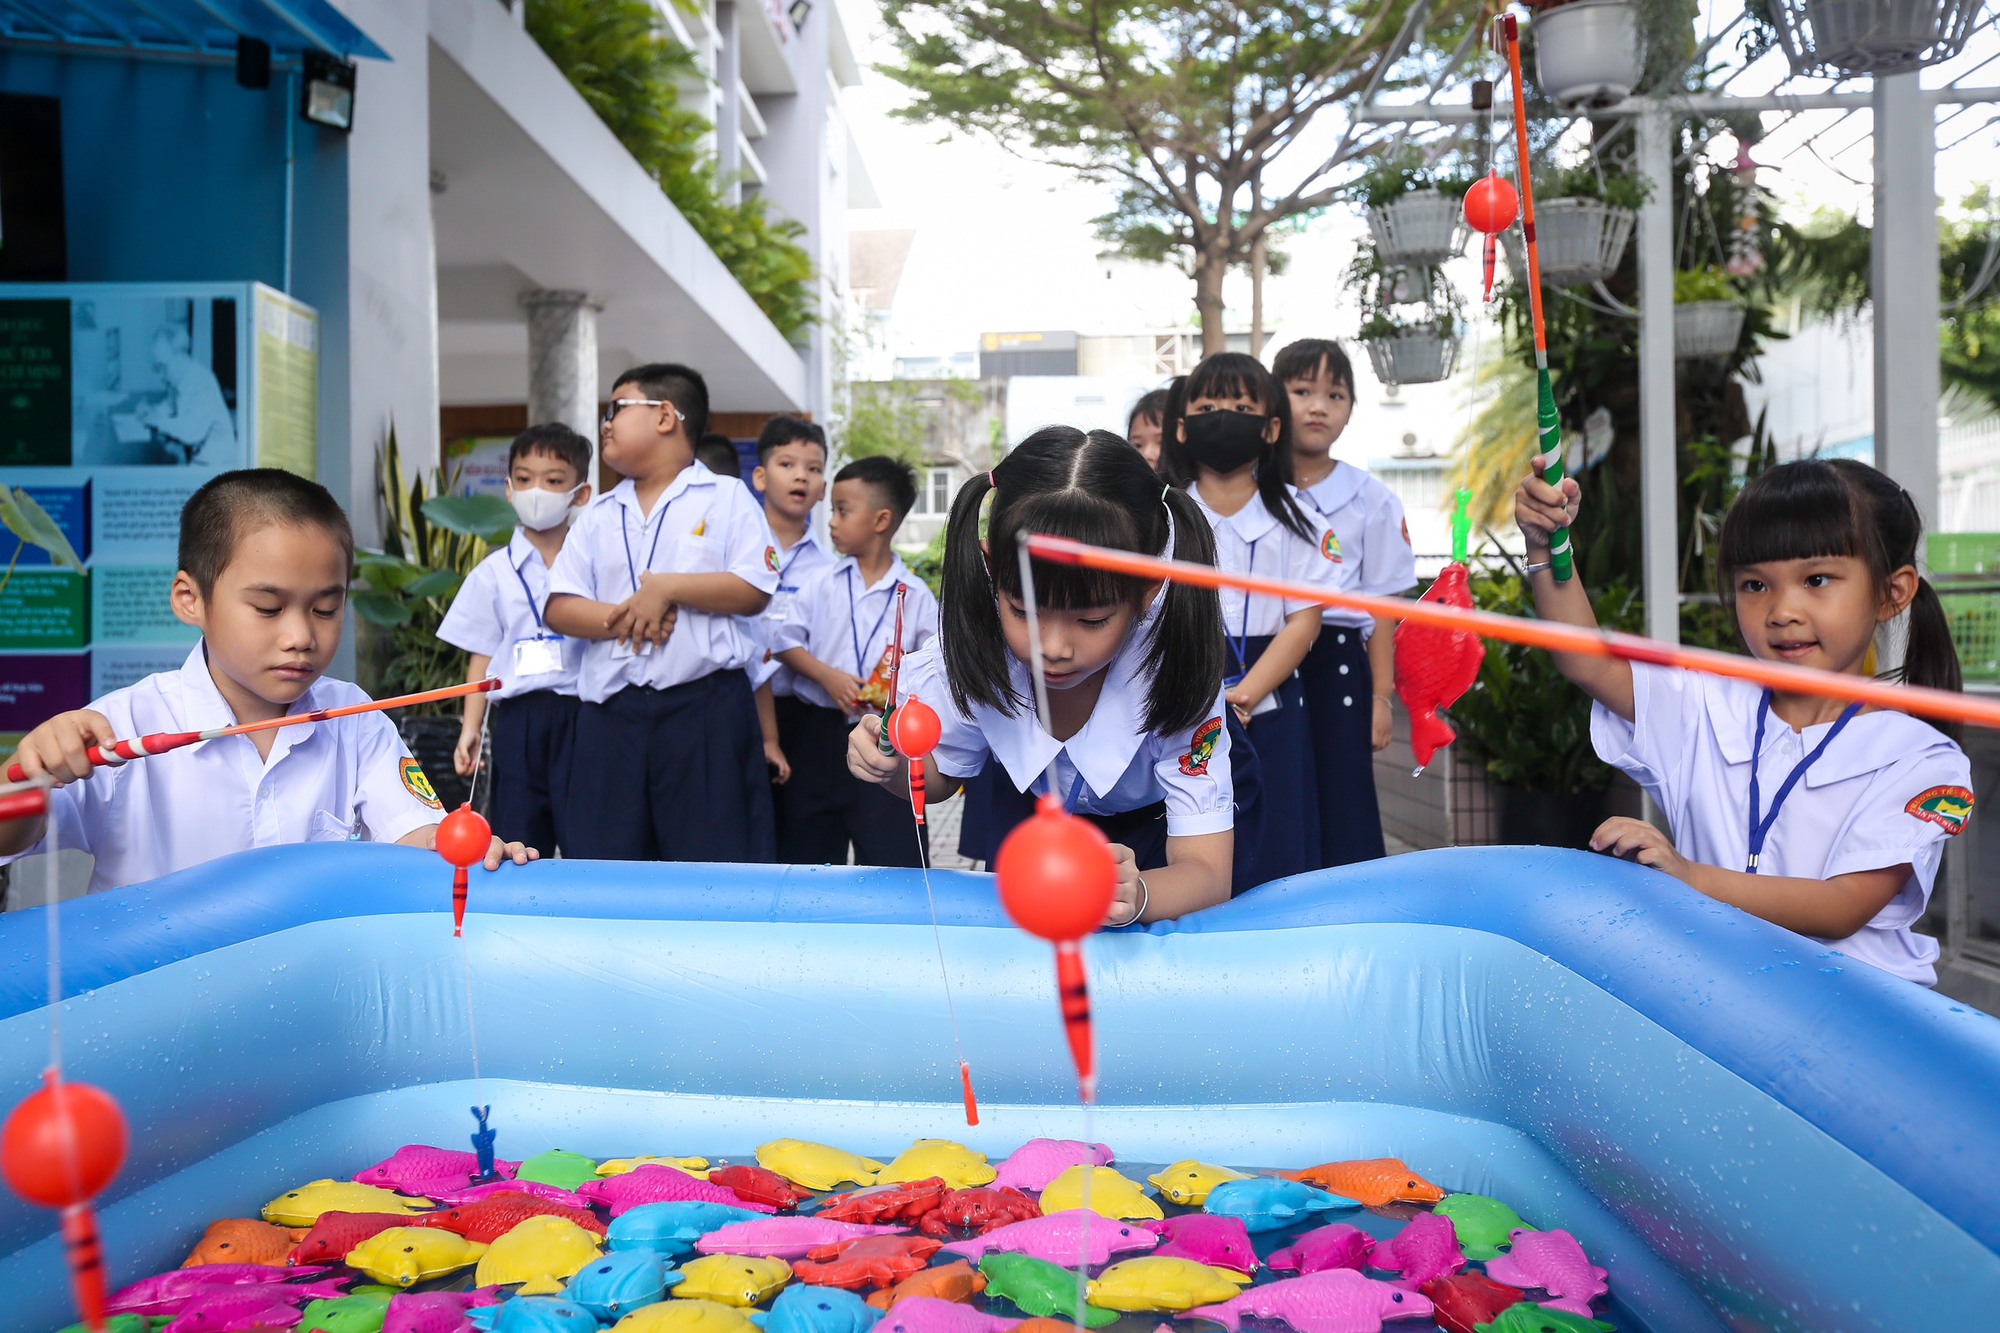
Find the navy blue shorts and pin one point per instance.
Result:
(826, 808)
(534, 735)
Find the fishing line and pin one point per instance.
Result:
(1035, 642)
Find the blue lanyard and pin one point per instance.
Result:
(854, 621)
(1241, 643)
(529, 595)
(1075, 788)
(1759, 829)
(625, 531)
(793, 559)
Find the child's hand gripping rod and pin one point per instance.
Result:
(882, 741)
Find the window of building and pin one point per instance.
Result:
(937, 490)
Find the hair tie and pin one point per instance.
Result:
(1163, 492)
(991, 484)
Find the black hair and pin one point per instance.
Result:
(1306, 358)
(229, 506)
(1838, 507)
(1151, 407)
(781, 431)
(1091, 488)
(717, 453)
(1236, 375)
(894, 482)
(558, 442)
(671, 382)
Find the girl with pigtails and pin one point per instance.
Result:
(1138, 738)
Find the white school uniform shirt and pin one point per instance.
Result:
(701, 524)
(849, 623)
(324, 782)
(1113, 765)
(1253, 541)
(1888, 791)
(796, 567)
(501, 604)
(1371, 540)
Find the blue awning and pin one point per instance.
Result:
(183, 27)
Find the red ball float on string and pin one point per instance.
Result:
(915, 728)
(64, 1144)
(463, 838)
(1056, 874)
(1491, 205)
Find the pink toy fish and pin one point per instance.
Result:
(660, 1184)
(436, 1311)
(1038, 1161)
(568, 1198)
(928, 1314)
(170, 1292)
(1336, 1246)
(1554, 1262)
(1426, 1248)
(1338, 1300)
(785, 1237)
(1220, 1242)
(235, 1309)
(1062, 1238)
(417, 1169)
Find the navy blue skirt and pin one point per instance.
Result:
(1340, 704)
(1289, 841)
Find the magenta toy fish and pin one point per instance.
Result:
(660, 1184)
(1426, 1248)
(235, 1309)
(928, 1314)
(554, 1194)
(1061, 1238)
(436, 1311)
(169, 1293)
(421, 1170)
(785, 1237)
(1338, 1300)
(1220, 1242)
(1038, 1161)
(1336, 1246)
(1554, 1262)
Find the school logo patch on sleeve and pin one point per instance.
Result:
(1406, 532)
(419, 786)
(1329, 546)
(771, 558)
(1195, 762)
(1947, 807)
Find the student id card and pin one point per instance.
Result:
(1267, 704)
(542, 655)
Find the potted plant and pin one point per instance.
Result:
(1410, 320)
(1414, 210)
(1850, 37)
(1583, 221)
(1708, 313)
(431, 539)
(1587, 52)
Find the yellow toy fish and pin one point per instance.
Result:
(619, 1166)
(1111, 1195)
(301, 1207)
(1154, 1285)
(686, 1317)
(1188, 1182)
(815, 1165)
(733, 1279)
(954, 1163)
(405, 1256)
(540, 1254)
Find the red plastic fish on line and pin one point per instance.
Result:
(1435, 667)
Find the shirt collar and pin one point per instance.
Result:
(203, 708)
(1103, 750)
(520, 550)
(626, 492)
(1336, 488)
(897, 572)
(1871, 741)
(1250, 523)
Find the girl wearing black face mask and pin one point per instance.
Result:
(1229, 439)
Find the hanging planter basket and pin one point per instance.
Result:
(1707, 328)
(1587, 52)
(1424, 226)
(1581, 241)
(1421, 354)
(1848, 37)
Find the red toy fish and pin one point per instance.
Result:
(757, 1185)
(886, 1203)
(334, 1236)
(495, 1216)
(1435, 667)
(1465, 1300)
(871, 1261)
(980, 1210)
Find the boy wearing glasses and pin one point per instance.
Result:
(653, 578)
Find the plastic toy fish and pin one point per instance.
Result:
(1188, 1182)
(436, 1311)
(870, 1261)
(1038, 1161)
(499, 1188)
(733, 1279)
(615, 1285)
(671, 1229)
(1528, 1318)
(785, 1237)
(1335, 1246)
(1373, 1181)
(363, 1312)
(685, 1317)
(1553, 1261)
(927, 1314)
(817, 1166)
(979, 1210)
(957, 1281)
(1039, 1287)
(809, 1309)
(1151, 1284)
(1426, 1248)
(301, 1207)
(1062, 1238)
(333, 1237)
(496, 1215)
(536, 1314)
(757, 1185)
(243, 1240)
(540, 1253)
(564, 1170)
(1463, 1301)
(1220, 1242)
(238, 1309)
(1109, 1194)
(405, 1256)
(618, 1166)
(660, 1184)
(1484, 1225)
(954, 1163)
(134, 1323)
(169, 1292)
(418, 1169)
(1435, 667)
(886, 1203)
(1269, 1204)
(1338, 1300)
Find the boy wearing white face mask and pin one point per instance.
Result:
(497, 617)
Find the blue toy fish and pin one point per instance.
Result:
(1269, 1204)
(671, 1229)
(618, 1284)
(808, 1309)
(534, 1314)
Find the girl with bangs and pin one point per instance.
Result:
(1826, 818)
(1136, 739)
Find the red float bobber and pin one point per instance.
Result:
(463, 838)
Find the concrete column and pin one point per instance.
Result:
(729, 124)
(1658, 486)
(1904, 280)
(562, 360)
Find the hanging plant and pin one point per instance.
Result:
(1410, 319)
(1588, 53)
(1412, 209)
(1708, 313)
(1583, 219)
(1849, 37)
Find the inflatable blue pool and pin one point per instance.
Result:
(1747, 1131)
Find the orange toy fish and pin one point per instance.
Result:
(244, 1240)
(1373, 1181)
(953, 1282)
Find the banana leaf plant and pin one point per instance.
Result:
(32, 526)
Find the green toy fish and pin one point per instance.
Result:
(564, 1170)
(360, 1313)
(1482, 1223)
(1526, 1318)
(1039, 1288)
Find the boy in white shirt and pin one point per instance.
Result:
(791, 473)
(264, 561)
